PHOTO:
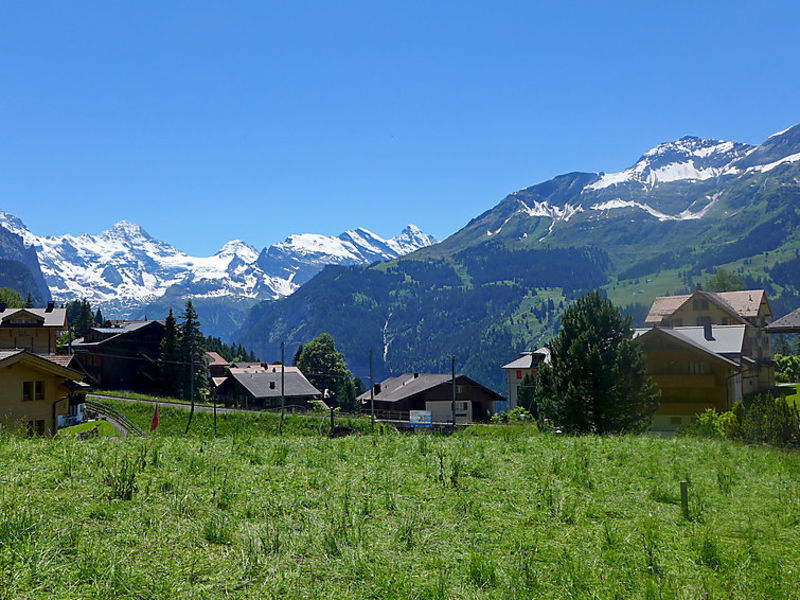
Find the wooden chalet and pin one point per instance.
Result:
(123, 356)
(396, 396)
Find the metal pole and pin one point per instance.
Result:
(454, 392)
(191, 393)
(283, 396)
(371, 392)
(214, 396)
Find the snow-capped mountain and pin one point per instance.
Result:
(674, 181)
(124, 268)
(687, 158)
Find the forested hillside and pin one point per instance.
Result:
(498, 285)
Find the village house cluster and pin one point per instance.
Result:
(703, 350)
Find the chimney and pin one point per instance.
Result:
(707, 331)
(377, 388)
(2, 306)
(416, 375)
(50, 306)
(698, 288)
(272, 385)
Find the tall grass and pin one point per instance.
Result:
(474, 515)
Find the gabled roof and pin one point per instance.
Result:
(740, 305)
(526, 359)
(214, 359)
(786, 324)
(690, 340)
(404, 386)
(113, 333)
(10, 357)
(54, 318)
(267, 384)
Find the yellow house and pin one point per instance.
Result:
(696, 368)
(35, 392)
(32, 329)
(746, 307)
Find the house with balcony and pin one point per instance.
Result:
(707, 350)
(33, 329)
(395, 397)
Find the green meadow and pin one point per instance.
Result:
(489, 512)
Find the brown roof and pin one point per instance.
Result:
(60, 359)
(744, 304)
(216, 359)
(54, 318)
(786, 324)
(664, 306)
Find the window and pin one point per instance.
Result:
(39, 390)
(703, 321)
(27, 391)
(678, 322)
(519, 374)
(724, 320)
(459, 389)
(697, 367)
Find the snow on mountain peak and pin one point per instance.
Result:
(125, 230)
(689, 158)
(124, 268)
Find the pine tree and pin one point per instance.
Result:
(169, 356)
(597, 380)
(84, 319)
(298, 353)
(29, 301)
(98, 318)
(192, 351)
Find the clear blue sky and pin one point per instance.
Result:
(206, 122)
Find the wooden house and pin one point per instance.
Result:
(123, 356)
(262, 387)
(33, 329)
(396, 396)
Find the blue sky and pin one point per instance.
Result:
(209, 121)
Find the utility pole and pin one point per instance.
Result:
(191, 392)
(283, 395)
(214, 396)
(454, 392)
(371, 392)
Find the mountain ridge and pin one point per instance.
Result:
(498, 285)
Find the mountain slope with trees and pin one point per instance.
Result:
(498, 285)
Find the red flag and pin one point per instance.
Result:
(154, 422)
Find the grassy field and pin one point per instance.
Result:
(172, 421)
(491, 512)
(103, 428)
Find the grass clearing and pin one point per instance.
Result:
(491, 512)
(104, 428)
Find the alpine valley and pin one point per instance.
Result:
(129, 274)
(498, 285)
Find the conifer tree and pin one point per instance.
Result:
(98, 318)
(192, 351)
(346, 396)
(597, 380)
(169, 357)
(84, 319)
(298, 353)
(29, 301)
